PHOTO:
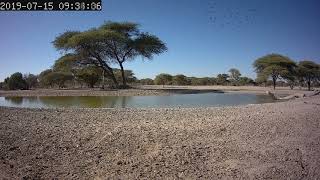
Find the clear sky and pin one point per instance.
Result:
(204, 37)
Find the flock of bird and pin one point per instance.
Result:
(230, 16)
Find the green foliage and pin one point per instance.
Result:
(291, 77)
(111, 43)
(67, 63)
(51, 78)
(16, 82)
(163, 79)
(146, 81)
(5, 84)
(60, 78)
(234, 75)
(243, 81)
(31, 80)
(128, 74)
(274, 66)
(62, 41)
(180, 79)
(262, 79)
(308, 71)
(205, 81)
(222, 79)
(89, 75)
(44, 81)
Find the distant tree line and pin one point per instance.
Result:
(234, 78)
(272, 70)
(17, 81)
(65, 73)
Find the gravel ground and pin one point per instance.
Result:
(267, 141)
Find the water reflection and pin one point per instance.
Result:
(14, 100)
(184, 100)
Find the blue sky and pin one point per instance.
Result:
(204, 37)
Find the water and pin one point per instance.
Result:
(182, 100)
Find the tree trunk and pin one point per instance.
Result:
(124, 82)
(274, 83)
(309, 85)
(110, 73)
(91, 85)
(113, 77)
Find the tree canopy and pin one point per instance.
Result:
(111, 43)
(17, 82)
(308, 71)
(180, 79)
(234, 74)
(222, 79)
(163, 79)
(146, 81)
(274, 66)
(31, 80)
(67, 63)
(50, 78)
(89, 75)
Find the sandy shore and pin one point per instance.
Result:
(151, 91)
(267, 141)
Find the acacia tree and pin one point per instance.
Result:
(274, 66)
(222, 79)
(308, 71)
(262, 79)
(291, 77)
(234, 75)
(67, 63)
(111, 43)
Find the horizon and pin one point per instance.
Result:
(203, 38)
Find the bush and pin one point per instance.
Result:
(89, 75)
(163, 79)
(146, 81)
(31, 80)
(16, 81)
(180, 79)
(50, 78)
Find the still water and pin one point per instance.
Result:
(182, 100)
